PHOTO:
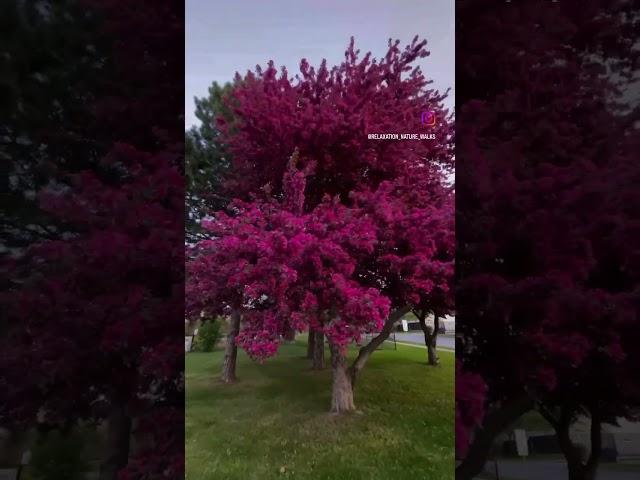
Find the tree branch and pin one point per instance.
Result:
(366, 351)
(494, 423)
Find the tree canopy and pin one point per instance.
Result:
(547, 274)
(330, 231)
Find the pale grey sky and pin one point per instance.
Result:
(223, 37)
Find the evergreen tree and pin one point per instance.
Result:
(205, 162)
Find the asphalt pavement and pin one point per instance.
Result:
(445, 341)
(552, 469)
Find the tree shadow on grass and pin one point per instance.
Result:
(295, 383)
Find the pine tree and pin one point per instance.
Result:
(205, 162)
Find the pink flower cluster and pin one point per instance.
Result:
(330, 230)
(470, 406)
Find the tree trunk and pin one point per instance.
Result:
(310, 344)
(570, 452)
(366, 351)
(290, 336)
(579, 471)
(318, 351)
(117, 443)
(342, 388)
(430, 337)
(578, 468)
(596, 445)
(231, 350)
(494, 423)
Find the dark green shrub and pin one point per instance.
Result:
(208, 335)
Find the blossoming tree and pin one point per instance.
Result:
(325, 115)
(547, 244)
(93, 310)
(336, 269)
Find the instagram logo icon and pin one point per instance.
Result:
(428, 118)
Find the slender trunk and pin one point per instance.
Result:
(494, 423)
(569, 450)
(596, 445)
(342, 388)
(579, 471)
(231, 350)
(290, 336)
(318, 351)
(117, 443)
(430, 337)
(310, 344)
(578, 468)
(366, 351)
(432, 348)
(432, 355)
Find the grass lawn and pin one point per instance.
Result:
(274, 423)
(533, 420)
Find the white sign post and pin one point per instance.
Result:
(522, 447)
(188, 340)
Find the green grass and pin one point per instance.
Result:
(532, 420)
(274, 423)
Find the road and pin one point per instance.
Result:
(551, 469)
(444, 341)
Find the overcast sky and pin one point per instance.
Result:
(223, 37)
